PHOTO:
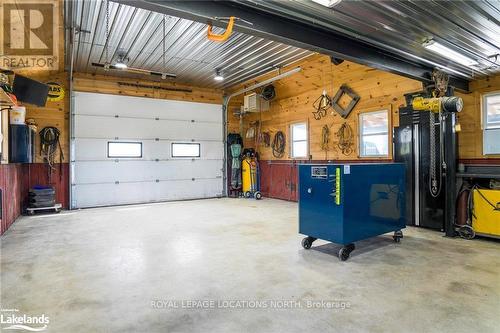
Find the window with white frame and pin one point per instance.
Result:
(491, 121)
(186, 150)
(298, 140)
(374, 134)
(120, 149)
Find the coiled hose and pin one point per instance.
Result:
(278, 144)
(49, 143)
(345, 136)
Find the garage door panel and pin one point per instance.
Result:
(99, 180)
(128, 106)
(99, 127)
(129, 193)
(97, 149)
(124, 171)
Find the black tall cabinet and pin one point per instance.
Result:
(412, 146)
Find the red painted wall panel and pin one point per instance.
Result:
(280, 179)
(17, 179)
(11, 184)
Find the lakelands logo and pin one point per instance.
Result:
(29, 34)
(13, 319)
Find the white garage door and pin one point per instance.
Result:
(134, 150)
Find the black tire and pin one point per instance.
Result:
(344, 254)
(306, 243)
(258, 195)
(248, 194)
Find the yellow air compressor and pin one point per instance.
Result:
(486, 212)
(250, 175)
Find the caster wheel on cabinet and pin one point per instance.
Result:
(397, 236)
(344, 254)
(345, 251)
(306, 243)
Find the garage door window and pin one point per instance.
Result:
(181, 150)
(374, 134)
(491, 116)
(124, 149)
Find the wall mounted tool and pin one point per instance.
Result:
(321, 105)
(344, 89)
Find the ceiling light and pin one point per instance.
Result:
(218, 76)
(327, 3)
(438, 48)
(121, 65)
(121, 61)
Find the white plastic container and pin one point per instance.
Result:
(18, 115)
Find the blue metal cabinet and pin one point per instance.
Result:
(345, 203)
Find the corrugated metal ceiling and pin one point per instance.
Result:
(469, 27)
(188, 53)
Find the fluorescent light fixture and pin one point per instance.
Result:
(327, 3)
(218, 76)
(455, 56)
(121, 65)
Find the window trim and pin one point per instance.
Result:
(388, 133)
(483, 107)
(185, 143)
(484, 122)
(136, 142)
(291, 141)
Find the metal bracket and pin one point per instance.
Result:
(344, 89)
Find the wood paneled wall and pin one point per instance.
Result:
(52, 114)
(378, 90)
(111, 85)
(470, 139)
(296, 94)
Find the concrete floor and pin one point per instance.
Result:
(98, 270)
